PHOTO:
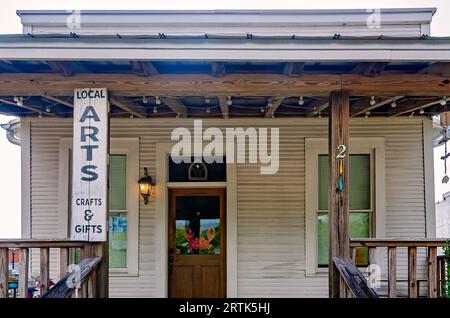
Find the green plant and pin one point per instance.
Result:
(445, 281)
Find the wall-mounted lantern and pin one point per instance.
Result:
(146, 186)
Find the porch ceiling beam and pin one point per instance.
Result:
(318, 106)
(232, 84)
(175, 105)
(126, 106)
(224, 108)
(143, 68)
(293, 68)
(414, 106)
(57, 100)
(38, 111)
(361, 110)
(275, 102)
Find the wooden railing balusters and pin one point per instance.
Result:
(23, 272)
(4, 272)
(372, 255)
(412, 272)
(63, 261)
(432, 272)
(44, 269)
(392, 272)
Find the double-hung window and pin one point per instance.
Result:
(366, 197)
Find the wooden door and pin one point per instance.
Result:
(197, 243)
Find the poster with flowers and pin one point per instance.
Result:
(190, 241)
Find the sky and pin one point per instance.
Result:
(10, 23)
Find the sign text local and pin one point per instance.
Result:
(90, 155)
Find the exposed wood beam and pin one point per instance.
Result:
(230, 85)
(224, 107)
(414, 106)
(60, 67)
(58, 100)
(176, 105)
(275, 102)
(317, 107)
(38, 111)
(338, 187)
(293, 68)
(218, 69)
(438, 68)
(9, 67)
(128, 107)
(366, 102)
(369, 68)
(143, 68)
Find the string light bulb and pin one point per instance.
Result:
(229, 101)
(207, 100)
(40, 115)
(411, 115)
(155, 110)
(320, 115)
(393, 104)
(301, 101)
(157, 100)
(366, 115)
(144, 100)
(421, 111)
(372, 101)
(443, 101)
(208, 110)
(48, 109)
(262, 109)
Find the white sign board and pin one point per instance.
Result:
(90, 170)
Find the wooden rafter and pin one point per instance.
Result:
(365, 103)
(229, 85)
(143, 68)
(60, 67)
(218, 69)
(438, 68)
(414, 106)
(58, 100)
(224, 107)
(8, 67)
(128, 107)
(175, 105)
(275, 102)
(369, 68)
(38, 111)
(293, 68)
(317, 107)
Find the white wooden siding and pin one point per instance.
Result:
(271, 216)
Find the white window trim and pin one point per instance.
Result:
(313, 148)
(119, 146)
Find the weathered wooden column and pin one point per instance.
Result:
(338, 196)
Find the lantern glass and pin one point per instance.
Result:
(145, 189)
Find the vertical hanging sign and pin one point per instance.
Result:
(90, 165)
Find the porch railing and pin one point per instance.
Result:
(87, 280)
(435, 273)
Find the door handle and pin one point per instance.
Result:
(171, 262)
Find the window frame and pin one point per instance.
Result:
(374, 146)
(118, 146)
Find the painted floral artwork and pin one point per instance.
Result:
(188, 242)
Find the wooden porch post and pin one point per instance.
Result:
(338, 197)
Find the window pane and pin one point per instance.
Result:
(359, 228)
(118, 229)
(359, 182)
(117, 182)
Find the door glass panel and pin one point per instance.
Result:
(197, 225)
